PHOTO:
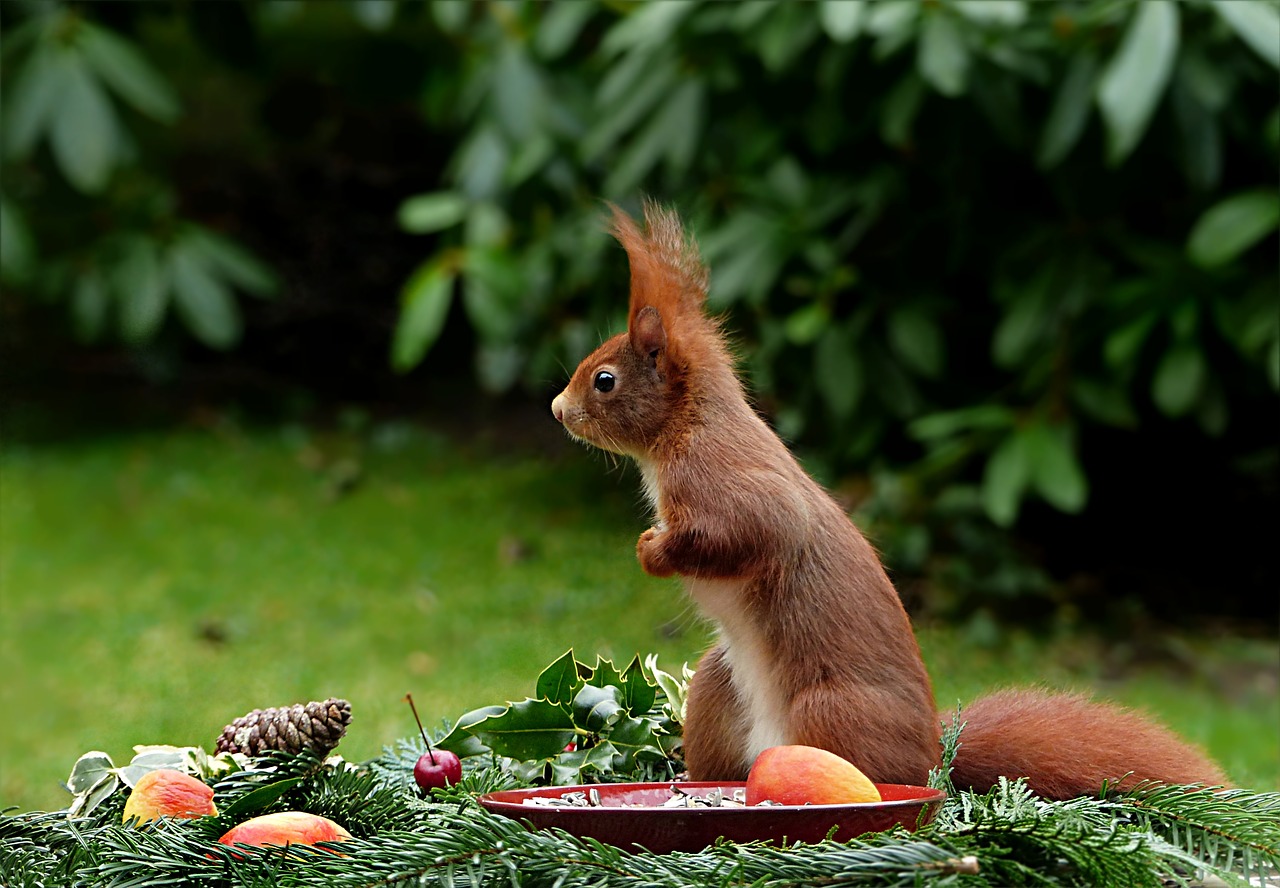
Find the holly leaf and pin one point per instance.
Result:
(560, 681)
(460, 740)
(595, 708)
(531, 729)
(638, 693)
(633, 737)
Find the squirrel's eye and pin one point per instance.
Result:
(604, 381)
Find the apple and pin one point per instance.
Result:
(806, 775)
(168, 793)
(285, 828)
(435, 768)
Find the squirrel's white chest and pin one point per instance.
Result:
(751, 664)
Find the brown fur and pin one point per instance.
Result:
(814, 647)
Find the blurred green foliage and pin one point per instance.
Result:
(951, 236)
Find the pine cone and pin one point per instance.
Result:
(314, 726)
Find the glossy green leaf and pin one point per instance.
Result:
(141, 290)
(838, 372)
(531, 729)
(1232, 226)
(258, 799)
(1136, 76)
(84, 133)
(1256, 22)
(596, 708)
(203, 300)
(1005, 479)
(460, 740)
(942, 56)
(633, 737)
(123, 68)
(424, 302)
(1054, 469)
(916, 339)
(1179, 380)
(427, 213)
(560, 681)
(842, 19)
(1070, 110)
(638, 694)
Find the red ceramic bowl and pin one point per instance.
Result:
(631, 815)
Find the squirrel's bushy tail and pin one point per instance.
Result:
(1067, 745)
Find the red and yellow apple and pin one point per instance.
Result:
(806, 775)
(285, 828)
(167, 793)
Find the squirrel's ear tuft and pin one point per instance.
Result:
(648, 335)
(666, 271)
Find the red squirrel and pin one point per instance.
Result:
(814, 646)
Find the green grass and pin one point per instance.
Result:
(156, 585)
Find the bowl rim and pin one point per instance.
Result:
(927, 795)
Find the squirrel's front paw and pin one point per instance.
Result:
(649, 551)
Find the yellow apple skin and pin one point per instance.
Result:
(166, 793)
(285, 828)
(806, 775)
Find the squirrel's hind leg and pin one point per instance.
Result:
(715, 725)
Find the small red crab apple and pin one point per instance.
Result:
(435, 768)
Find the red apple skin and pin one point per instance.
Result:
(168, 793)
(285, 828)
(806, 775)
(437, 768)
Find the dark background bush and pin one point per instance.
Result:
(1003, 272)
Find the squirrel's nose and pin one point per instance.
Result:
(557, 408)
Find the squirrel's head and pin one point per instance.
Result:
(627, 394)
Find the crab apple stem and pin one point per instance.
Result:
(409, 699)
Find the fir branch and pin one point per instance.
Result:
(1232, 833)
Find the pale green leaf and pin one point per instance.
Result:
(17, 246)
(202, 300)
(916, 339)
(141, 289)
(35, 97)
(88, 770)
(424, 305)
(1136, 76)
(89, 306)
(645, 26)
(1255, 22)
(84, 132)
(232, 261)
(376, 15)
(672, 132)
(842, 19)
(1054, 469)
(1070, 110)
(1179, 380)
(560, 25)
(942, 56)
(1005, 479)
(838, 372)
(899, 110)
(1233, 225)
(123, 68)
(435, 211)
(993, 13)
